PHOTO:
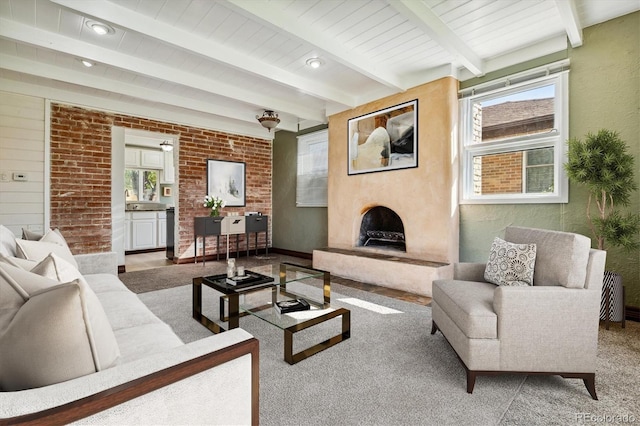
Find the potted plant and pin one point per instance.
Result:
(602, 164)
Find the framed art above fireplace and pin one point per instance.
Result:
(384, 140)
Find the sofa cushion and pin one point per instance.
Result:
(510, 264)
(104, 283)
(7, 241)
(54, 236)
(30, 235)
(12, 297)
(26, 281)
(18, 262)
(561, 257)
(38, 250)
(141, 340)
(470, 305)
(124, 309)
(55, 336)
(57, 268)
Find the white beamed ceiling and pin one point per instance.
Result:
(219, 63)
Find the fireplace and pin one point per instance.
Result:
(382, 228)
(422, 243)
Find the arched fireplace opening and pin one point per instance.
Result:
(382, 228)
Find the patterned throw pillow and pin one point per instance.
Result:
(510, 264)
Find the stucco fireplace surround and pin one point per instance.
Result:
(425, 245)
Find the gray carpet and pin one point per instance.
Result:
(393, 372)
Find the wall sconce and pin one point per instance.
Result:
(269, 119)
(166, 146)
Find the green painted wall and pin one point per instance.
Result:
(604, 92)
(300, 229)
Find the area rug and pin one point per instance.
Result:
(392, 371)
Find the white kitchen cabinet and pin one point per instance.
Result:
(162, 229)
(143, 158)
(144, 230)
(151, 159)
(168, 172)
(127, 231)
(131, 157)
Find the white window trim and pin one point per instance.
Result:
(556, 139)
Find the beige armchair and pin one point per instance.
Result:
(548, 328)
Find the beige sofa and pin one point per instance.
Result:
(550, 327)
(155, 378)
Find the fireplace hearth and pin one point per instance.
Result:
(382, 228)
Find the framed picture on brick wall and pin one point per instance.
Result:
(226, 179)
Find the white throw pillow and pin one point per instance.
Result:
(30, 235)
(38, 250)
(54, 236)
(16, 286)
(27, 281)
(53, 338)
(57, 268)
(7, 241)
(19, 262)
(510, 264)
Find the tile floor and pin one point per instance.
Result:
(142, 261)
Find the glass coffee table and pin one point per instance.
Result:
(290, 282)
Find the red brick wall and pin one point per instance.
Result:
(502, 173)
(195, 149)
(81, 174)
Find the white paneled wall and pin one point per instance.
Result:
(22, 151)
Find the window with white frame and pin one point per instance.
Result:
(141, 185)
(513, 141)
(313, 169)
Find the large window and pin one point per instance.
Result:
(313, 168)
(513, 142)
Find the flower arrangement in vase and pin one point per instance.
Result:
(213, 203)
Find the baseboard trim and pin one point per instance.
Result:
(286, 252)
(151, 250)
(633, 313)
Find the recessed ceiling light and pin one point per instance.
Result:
(87, 63)
(314, 62)
(100, 28)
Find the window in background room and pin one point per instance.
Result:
(513, 140)
(313, 168)
(141, 185)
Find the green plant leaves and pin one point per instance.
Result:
(602, 164)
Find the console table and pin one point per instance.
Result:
(216, 226)
(228, 225)
(257, 224)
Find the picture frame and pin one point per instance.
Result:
(166, 191)
(384, 140)
(227, 180)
